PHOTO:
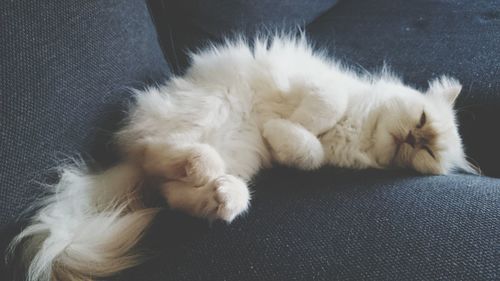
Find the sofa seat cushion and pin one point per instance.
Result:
(338, 225)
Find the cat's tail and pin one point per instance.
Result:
(87, 228)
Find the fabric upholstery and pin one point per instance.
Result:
(339, 225)
(64, 71)
(189, 24)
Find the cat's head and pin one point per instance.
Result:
(419, 130)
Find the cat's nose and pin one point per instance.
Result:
(410, 139)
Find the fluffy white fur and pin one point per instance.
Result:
(238, 109)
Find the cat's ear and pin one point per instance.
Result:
(445, 87)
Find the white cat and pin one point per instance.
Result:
(238, 109)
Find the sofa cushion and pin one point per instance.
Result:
(185, 25)
(338, 225)
(64, 71)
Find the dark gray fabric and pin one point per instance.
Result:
(339, 225)
(64, 67)
(193, 23)
(225, 17)
(64, 71)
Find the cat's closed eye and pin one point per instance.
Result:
(423, 119)
(429, 151)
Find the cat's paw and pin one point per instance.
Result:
(232, 196)
(202, 165)
(292, 145)
(223, 198)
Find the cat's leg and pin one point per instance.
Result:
(319, 110)
(294, 141)
(196, 180)
(224, 197)
(292, 145)
(195, 163)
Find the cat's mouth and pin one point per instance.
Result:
(396, 152)
(409, 139)
(398, 142)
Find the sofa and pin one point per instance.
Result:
(66, 70)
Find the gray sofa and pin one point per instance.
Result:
(65, 67)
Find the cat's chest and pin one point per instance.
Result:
(344, 134)
(274, 104)
(344, 145)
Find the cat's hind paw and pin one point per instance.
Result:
(224, 198)
(203, 164)
(233, 197)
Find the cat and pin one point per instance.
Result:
(239, 108)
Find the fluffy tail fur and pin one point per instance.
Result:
(87, 227)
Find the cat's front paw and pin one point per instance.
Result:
(292, 145)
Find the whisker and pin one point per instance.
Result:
(474, 165)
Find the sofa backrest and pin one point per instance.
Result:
(185, 25)
(65, 66)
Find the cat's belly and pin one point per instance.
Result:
(239, 142)
(226, 120)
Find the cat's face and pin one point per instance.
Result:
(418, 130)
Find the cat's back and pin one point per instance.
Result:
(226, 65)
(270, 61)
